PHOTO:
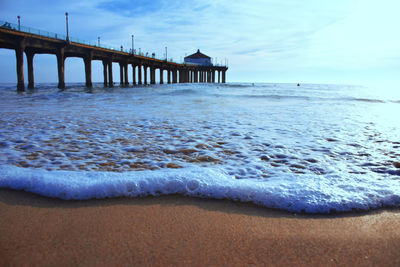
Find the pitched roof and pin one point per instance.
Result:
(197, 55)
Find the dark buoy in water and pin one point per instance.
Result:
(298, 84)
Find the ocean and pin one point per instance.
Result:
(312, 148)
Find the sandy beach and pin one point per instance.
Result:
(175, 230)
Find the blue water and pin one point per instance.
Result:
(313, 148)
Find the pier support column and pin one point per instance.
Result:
(152, 75)
(31, 80)
(140, 74)
(169, 76)
(145, 74)
(213, 76)
(126, 81)
(182, 73)
(219, 78)
(61, 68)
(196, 76)
(88, 70)
(110, 74)
(174, 76)
(105, 72)
(121, 74)
(161, 76)
(19, 53)
(223, 76)
(133, 74)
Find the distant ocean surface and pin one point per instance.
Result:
(313, 148)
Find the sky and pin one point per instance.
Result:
(308, 41)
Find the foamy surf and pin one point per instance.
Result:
(291, 193)
(312, 148)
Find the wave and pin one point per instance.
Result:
(181, 92)
(371, 100)
(274, 97)
(291, 193)
(236, 85)
(303, 97)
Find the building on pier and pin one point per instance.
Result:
(198, 58)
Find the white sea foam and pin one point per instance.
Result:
(316, 148)
(296, 194)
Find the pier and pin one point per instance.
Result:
(32, 42)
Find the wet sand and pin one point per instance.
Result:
(175, 230)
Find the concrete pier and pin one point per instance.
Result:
(88, 70)
(152, 75)
(29, 57)
(110, 74)
(60, 66)
(19, 53)
(174, 76)
(161, 75)
(139, 74)
(133, 74)
(105, 73)
(32, 44)
(121, 74)
(145, 74)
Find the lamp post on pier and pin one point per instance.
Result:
(166, 53)
(133, 46)
(66, 18)
(19, 22)
(98, 41)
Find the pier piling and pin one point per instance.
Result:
(88, 70)
(110, 74)
(105, 73)
(29, 57)
(133, 74)
(19, 53)
(60, 67)
(140, 74)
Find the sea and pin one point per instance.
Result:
(313, 148)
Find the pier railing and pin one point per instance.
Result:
(21, 28)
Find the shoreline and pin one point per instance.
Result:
(177, 230)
